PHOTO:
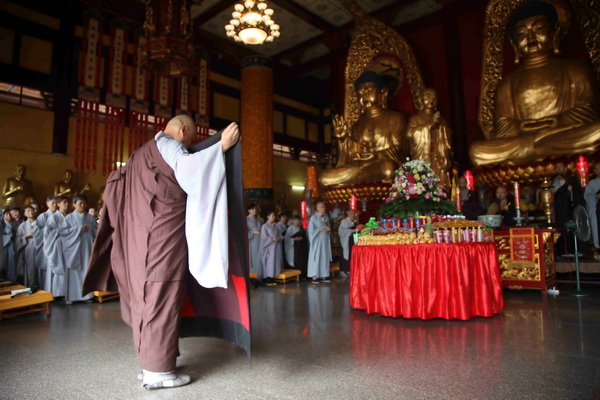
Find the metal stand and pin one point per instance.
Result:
(518, 218)
(577, 292)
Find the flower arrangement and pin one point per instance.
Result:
(416, 191)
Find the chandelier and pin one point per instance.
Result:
(252, 23)
(169, 48)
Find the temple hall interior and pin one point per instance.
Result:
(430, 171)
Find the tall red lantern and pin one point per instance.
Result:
(583, 171)
(353, 203)
(470, 180)
(303, 214)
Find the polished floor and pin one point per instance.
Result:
(309, 344)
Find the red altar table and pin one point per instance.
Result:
(449, 280)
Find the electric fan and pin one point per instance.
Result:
(580, 226)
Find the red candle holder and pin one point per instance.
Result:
(353, 203)
(303, 214)
(583, 171)
(470, 180)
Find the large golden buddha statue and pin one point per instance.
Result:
(372, 149)
(18, 191)
(429, 137)
(547, 106)
(66, 187)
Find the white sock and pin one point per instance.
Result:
(150, 378)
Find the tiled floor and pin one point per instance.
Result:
(309, 344)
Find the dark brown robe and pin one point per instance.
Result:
(142, 237)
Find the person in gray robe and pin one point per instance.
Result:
(254, 226)
(2, 261)
(282, 225)
(25, 250)
(270, 248)
(55, 272)
(346, 229)
(319, 254)
(38, 240)
(296, 246)
(8, 242)
(591, 195)
(77, 233)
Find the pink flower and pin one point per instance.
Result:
(427, 196)
(412, 190)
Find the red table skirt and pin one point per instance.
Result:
(450, 280)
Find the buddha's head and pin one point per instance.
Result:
(370, 90)
(430, 99)
(20, 171)
(533, 29)
(68, 176)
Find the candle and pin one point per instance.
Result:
(517, 195)
(303, 214)
(458, 202)
(582, 171)
(470, 180)
(353, 203)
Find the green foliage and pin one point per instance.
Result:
(403, 208)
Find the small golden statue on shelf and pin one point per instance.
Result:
(547, 106)
(18, 191)
(429, 138)
(371, 150)
(66, 187)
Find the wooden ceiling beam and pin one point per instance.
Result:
(305, 15)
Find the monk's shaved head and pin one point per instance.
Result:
(179, 120)
(182, 128)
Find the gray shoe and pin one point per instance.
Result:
(179, 380)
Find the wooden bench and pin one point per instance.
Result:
(105, 296)
(38, 301)
(288, 275)
(334, 269)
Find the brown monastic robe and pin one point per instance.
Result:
(142, 237)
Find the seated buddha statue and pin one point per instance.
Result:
(372, 149)
(18, 191)
(66, 187)
(547, 106)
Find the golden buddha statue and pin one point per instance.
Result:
(18, 191)
(547, 106)
(372, 149)
(429, 138)
(66, 187)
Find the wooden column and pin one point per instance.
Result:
(256, 124)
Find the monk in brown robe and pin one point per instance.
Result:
(143, 228)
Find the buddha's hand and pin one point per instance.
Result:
(364, 156)
(86, 187)
(340, 127)
(529, 125)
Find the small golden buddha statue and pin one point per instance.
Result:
(372, 149)
(66, 187)
(18, 191)
(547, 106)
(429, 138)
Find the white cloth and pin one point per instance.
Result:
(202, 176)
(55, 273)
(319, 254)
(289, 244)
(590, 201)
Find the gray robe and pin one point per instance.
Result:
(256, 265)
(8, 235)
(25, 255)
(77, 247)
(270, 251)
(38, 240)
(345, 230)
(289, 244)
(55, 273)
(319, 255)
(590, 201)
(2, 261)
